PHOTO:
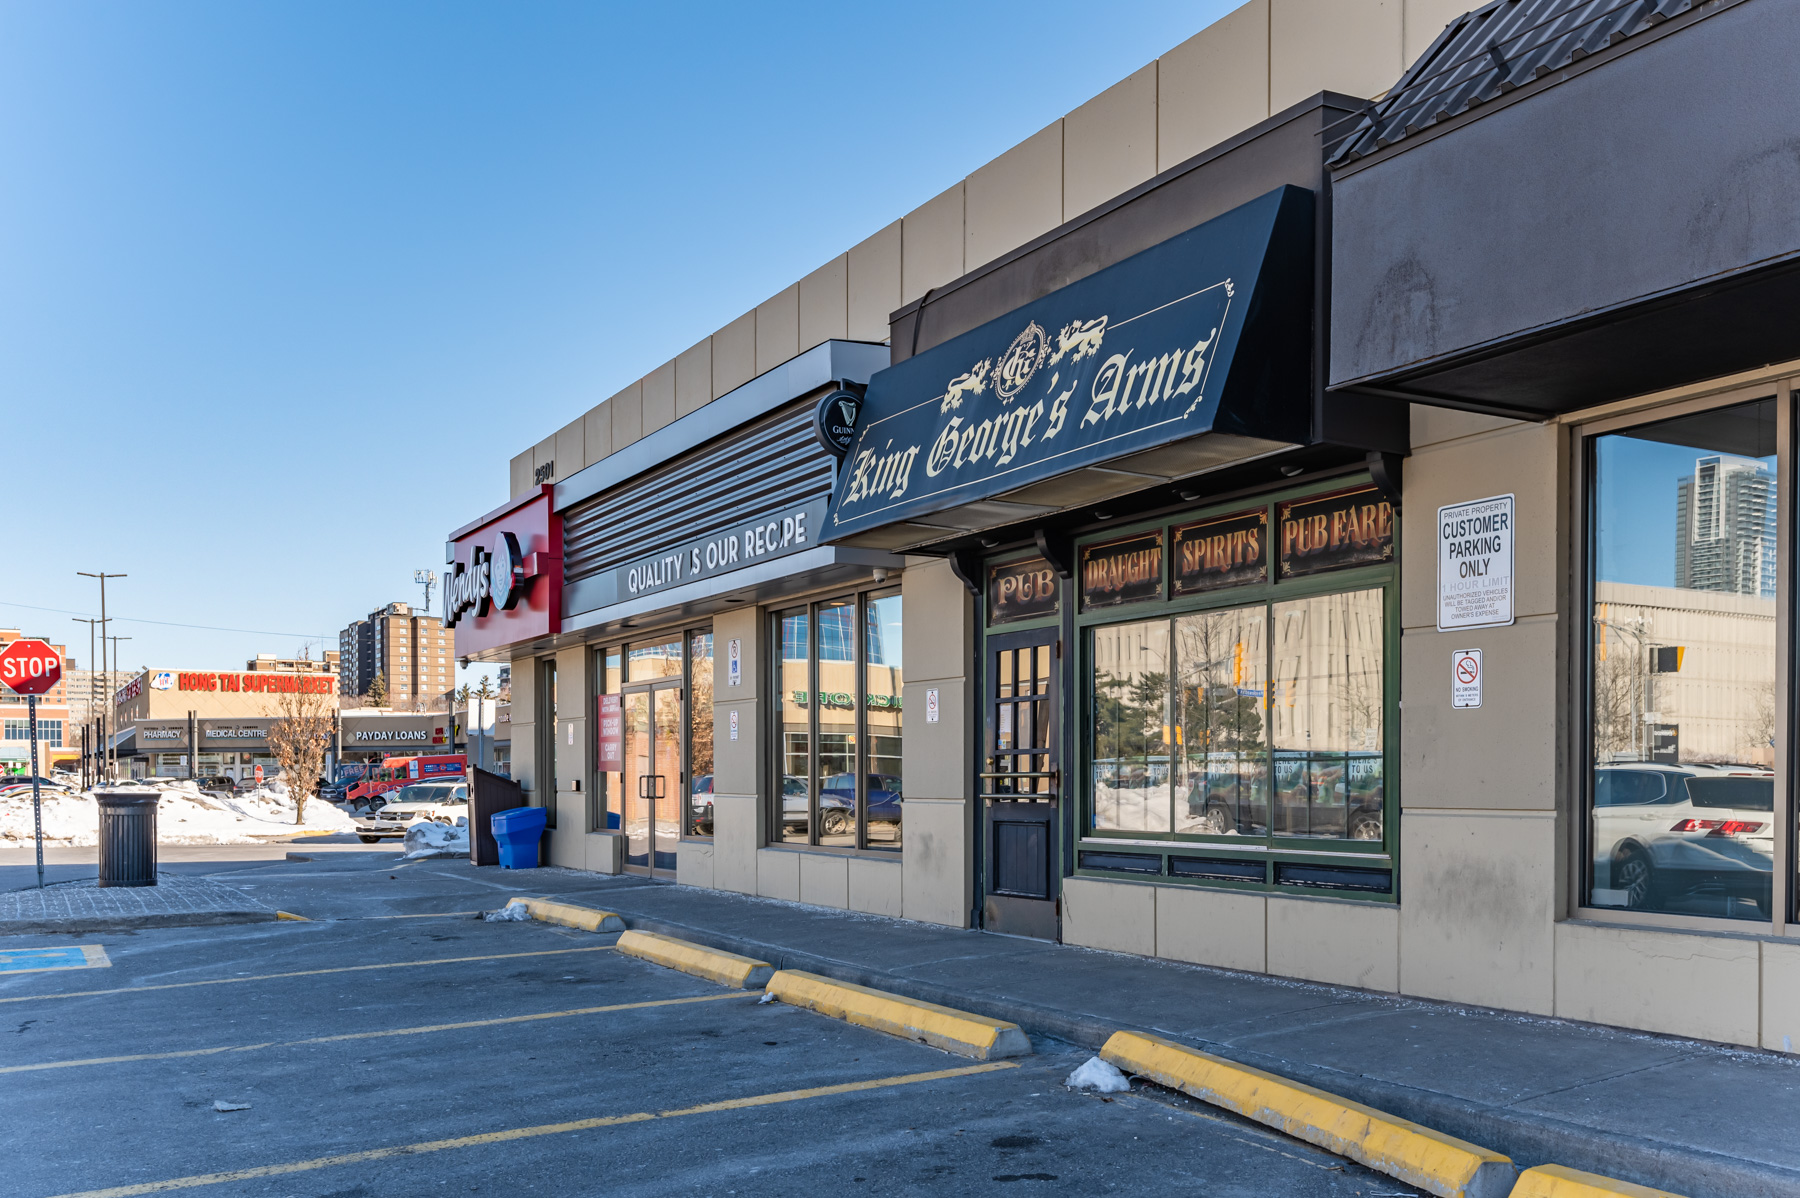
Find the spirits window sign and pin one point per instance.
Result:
(1021, 591)
(1128, 571)
(1227, 551)
(1334, 532)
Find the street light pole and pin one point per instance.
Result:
(113, 761)
(105, 734)
(93, 703)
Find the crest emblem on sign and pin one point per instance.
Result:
(1020, 361)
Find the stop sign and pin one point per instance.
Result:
(30, 667)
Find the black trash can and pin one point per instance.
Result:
(127, 837)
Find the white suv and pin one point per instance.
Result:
(442, 802)
(1662, 832)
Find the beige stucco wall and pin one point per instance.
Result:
(1257, 60)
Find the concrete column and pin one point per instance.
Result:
(1481, 875)
(937, 859)
(574, 758)
(741, 766)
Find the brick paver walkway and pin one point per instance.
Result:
(173, 895)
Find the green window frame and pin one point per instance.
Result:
(1301, 814)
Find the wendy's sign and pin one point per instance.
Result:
(1206, 332)
(504, 582)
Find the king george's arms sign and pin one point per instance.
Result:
(1134, 356)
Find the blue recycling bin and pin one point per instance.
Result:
(517, 831)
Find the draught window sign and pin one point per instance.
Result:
(1021, 591)
(1334, 532)
(1225, 552)
(1128, 571)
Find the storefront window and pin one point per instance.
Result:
(1131, 727)
(604, 808)
(1236, 697)
(883, 685)
(1327, 716)
(1220, 724)
(839, 731)
(700, 734)
(1682, 665)
(793, 731)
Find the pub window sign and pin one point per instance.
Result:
(1127, 571)
(1226, 551)
(1334, 532)
(1021, 591)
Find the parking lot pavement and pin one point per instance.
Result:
(397, 1056)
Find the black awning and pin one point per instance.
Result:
(1192, 355)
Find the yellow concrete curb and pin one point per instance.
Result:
(727, 969)
(941, 1027)
(569, 915)
(1434, 1162)
(1560, 1181)
(292, 916)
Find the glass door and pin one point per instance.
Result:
(1020, 786)
(652, 778)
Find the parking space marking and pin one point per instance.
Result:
(64, 956)
(304, 973)
(527, 1133)
(376, 1035)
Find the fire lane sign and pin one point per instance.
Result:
(1465, 678)
(1475, 564)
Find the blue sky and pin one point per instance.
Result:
(288, 284)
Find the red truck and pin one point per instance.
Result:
(395, 772)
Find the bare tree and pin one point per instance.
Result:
(299, 735)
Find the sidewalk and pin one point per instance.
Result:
(1699, 1119)
(83, 906)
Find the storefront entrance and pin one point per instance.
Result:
(653, 779)
(1021, 784)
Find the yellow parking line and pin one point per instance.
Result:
(527, 1133)
(305, 973)
(398, 1031)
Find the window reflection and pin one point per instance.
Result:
(883, 684)
(1131, 727)
(700, 734)
(1682, 662)
(1221, 704)
(793, 675)
(1326, 716)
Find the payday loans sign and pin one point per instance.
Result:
(1130, 358)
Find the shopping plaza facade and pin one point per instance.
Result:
(1322, 508)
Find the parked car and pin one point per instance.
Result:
(219, 782)
(10, 783)
(443, 802)
(837, 802)
(1663, 832)
(1325, 794)
(700, 808)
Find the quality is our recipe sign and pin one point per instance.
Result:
(1475, 563)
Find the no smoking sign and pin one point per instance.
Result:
(1465, 678)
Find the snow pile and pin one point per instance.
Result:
(1096, 1074)
(184, 816)
(514, 911)
(427, 838)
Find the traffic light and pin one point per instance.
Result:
(1666, 659)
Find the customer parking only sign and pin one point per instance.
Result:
(1475, 564)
